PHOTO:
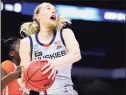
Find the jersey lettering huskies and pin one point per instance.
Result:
(38, 55)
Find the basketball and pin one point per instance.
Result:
(34, 79)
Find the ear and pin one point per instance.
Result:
(11, 53)
(37, 17)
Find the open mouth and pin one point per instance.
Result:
(53, 17)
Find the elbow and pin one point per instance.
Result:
(77, 56)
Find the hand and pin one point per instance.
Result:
(50, 66)
(21, 81)
(18, 72)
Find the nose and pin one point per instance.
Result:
(54, 12)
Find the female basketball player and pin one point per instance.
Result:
(12, 47)
(10, 68)
(58, 46)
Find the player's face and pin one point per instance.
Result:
(17, 45)
(15, 52)
(48, 14)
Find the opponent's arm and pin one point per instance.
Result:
(3, 73)
(8, 78)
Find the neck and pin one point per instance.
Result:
(45, 31)
(15, 62)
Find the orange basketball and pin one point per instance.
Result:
(34, 79)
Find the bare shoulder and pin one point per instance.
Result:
(25, 40)
(67, 33)
(24, 51)
(25, 44)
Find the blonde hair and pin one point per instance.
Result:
(29, 28)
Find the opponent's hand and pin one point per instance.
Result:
(50, 66)
(17, 72)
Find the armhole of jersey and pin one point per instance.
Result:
(61, 36)
(31, 47)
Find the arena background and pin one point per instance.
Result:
(102, 40)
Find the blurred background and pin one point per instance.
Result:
(99, 27)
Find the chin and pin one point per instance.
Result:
(52, 25)
(53, 22)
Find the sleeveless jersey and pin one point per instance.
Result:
(13, 88)
(55, 49)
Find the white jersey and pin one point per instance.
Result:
(55, 49)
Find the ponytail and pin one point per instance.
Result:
(29, 28)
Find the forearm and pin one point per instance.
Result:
(8, 78)
(3, 73)
(69, 58)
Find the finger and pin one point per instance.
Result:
(51, 74)
(45, 66)
(22, 67)
(19, 68)
(54, 75)
(47, 69)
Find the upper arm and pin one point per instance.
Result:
(24, 51)
(8, 66)
(70, 41)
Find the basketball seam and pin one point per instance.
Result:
(36, 80)
(29, 84)
(29, 78)
(33, 73)
(28, 70)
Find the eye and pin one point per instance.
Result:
(48, 8)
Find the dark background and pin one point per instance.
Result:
(104, 38)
